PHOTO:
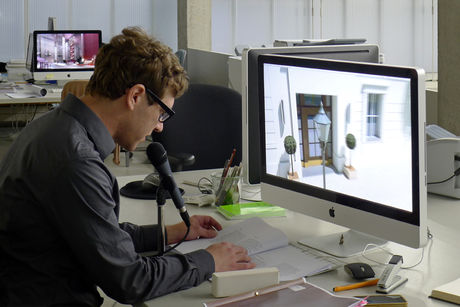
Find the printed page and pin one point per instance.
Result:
(293, 262)
(253, 234)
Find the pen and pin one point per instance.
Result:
(229, 163)
(192, 183)
(366, 283)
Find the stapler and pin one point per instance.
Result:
(390, 280)
(443, 162)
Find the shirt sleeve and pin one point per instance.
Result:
(82, 208)
(144, 237)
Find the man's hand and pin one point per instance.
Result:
(230, 257)
(201, 226)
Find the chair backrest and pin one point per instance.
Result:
(207, 124)
(75, 87)
(181, 55)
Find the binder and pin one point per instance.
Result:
(294, 293)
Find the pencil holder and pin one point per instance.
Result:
(225, 189)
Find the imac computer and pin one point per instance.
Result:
(250, 107)
(344, 142)
(62, 55)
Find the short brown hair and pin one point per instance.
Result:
(134, 57)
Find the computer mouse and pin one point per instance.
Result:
(359, 270)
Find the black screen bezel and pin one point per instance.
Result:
(34, 52)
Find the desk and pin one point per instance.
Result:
(440, 263)
(25, 109)
(49, 98)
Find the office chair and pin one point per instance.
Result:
(207, 125)
(75, 87)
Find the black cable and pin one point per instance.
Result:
(205, 188)
(180, 242)
(35, 113)
(456, 173)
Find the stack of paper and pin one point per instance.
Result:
(268, 247)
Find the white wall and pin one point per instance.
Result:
(405, 30)
(20, 17)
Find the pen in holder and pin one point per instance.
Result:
(226, 188)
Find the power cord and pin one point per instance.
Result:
(429, 236)
(456, 173)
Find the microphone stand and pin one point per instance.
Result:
(161, 200)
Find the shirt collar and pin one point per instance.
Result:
(97, 131)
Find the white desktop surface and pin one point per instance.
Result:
(440, 264)
(48, 98)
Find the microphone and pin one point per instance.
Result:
(158, 157)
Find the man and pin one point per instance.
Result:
(59, 203)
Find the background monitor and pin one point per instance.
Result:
(250, 95)
(344, 142)
(63, 55)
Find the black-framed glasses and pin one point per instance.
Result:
(168, 112)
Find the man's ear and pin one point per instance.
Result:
(133, 95)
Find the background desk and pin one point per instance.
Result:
(17, 110)
(440, 263)
(49, 98)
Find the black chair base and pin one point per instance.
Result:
(138, 190)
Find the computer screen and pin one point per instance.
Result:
(250, 111)
(344, 142)
(63, 55)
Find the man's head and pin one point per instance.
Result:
(145, 75)
(134, 57)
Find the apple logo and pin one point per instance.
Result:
(332, 212)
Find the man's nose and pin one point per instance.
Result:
(158, 127)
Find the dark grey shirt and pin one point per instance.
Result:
(59, 230)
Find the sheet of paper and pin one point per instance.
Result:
(293, 262)
(253, 234)
(268, 247)
(22, 95)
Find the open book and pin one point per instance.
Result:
(268, 247)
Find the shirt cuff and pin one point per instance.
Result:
(203, 260)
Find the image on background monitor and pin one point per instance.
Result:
(368, 138)
(66, 51)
